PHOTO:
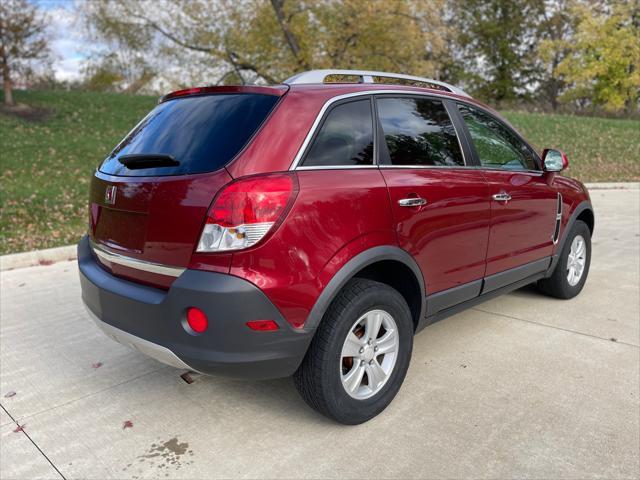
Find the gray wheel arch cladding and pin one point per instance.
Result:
(351, 268)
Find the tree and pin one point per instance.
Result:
(22, 41)
(554, 34)
(250, 41)
(498, 41)
(119, 70)
(603, 64)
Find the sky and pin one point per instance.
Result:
(69, 45)
(71, 48)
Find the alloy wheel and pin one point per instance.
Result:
(369, 354)
(576, 260)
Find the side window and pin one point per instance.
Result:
(418, 131)
(496, 144)
(345, 138)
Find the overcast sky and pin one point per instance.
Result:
(68, 43)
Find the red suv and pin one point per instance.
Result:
(310, 229)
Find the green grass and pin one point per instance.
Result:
(599, 149)
(46, 166)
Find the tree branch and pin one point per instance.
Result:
(232, 57)
(170, 36)
(238, 63)
(292, 41)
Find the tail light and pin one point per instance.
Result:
(246, 210)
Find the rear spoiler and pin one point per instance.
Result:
(277, 90)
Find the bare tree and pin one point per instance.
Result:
(22, 41)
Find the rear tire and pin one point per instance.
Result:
(333, 378)
(572, 268)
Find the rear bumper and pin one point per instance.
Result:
(150, 320)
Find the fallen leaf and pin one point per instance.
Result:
(96, 365)
(127, 424)
(19, 428)
(10, 394)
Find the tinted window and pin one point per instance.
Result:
(496, 144)
(418, 131)
(202, 133)
(345, 138)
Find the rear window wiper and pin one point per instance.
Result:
(147, 160)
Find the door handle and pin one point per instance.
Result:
(502, 197)
(412, 202)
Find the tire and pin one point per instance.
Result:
(319, 379)
(558, 284)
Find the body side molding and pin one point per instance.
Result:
(454, 300)
(480, 299)
(513, 275)
(437, 302)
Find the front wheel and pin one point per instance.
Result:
(572, 268)
(360, 354)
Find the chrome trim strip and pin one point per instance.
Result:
(366, 76)
(556, 231)
(150, 349)
(137, 264)
(371, 167)
(506, 170)
(428, 167)
(336, 167)
(331, 101)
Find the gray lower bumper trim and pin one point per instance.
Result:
(146, 347)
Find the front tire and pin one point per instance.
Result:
(360, 353)
(572, 268)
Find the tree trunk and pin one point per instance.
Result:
(6, 83)
(554, 83)
(292, 41)
(554, 93)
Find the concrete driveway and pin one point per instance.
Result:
(522, 386)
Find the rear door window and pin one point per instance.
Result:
(418, 131)
(345, 138)
(201, 133)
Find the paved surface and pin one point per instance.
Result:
(522, 386)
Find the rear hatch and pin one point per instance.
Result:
(150, 196)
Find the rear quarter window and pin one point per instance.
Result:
(203, 133)
(345, 138)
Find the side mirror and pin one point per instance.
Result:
(554, 160)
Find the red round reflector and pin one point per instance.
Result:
(262, 325)
(197, 320)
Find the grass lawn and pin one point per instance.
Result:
(46, 165)
(599, 149)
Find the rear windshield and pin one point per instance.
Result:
(201, 134)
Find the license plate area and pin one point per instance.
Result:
(122, 230)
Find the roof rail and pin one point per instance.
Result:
(366, 76)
